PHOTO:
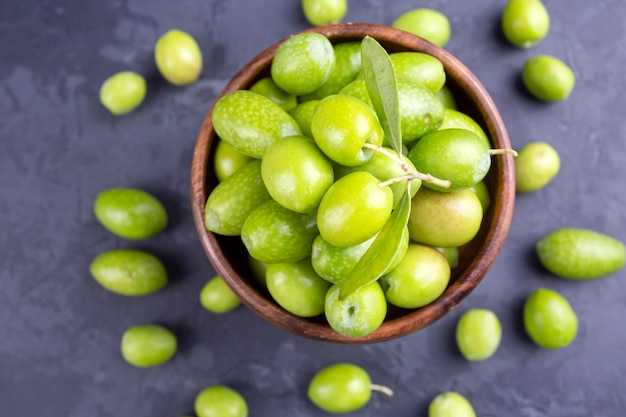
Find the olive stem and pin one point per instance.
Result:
(502, 152)
(381, 388)
(411, 173)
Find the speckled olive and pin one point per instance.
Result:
(251, 122)
(272, 233)
(130, 213)
(129, 272)
(303, 63)
(233, 199)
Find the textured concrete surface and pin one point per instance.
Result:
(60, 331)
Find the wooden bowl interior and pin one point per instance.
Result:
(229, 256)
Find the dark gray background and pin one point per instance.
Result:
(60, 331)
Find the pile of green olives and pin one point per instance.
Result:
(308, 179)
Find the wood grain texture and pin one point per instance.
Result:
(230, 259)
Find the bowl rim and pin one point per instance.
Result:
(502, 205)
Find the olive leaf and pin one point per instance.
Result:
(380, 80)
(376, 260)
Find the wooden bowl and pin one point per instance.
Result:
(229, 256)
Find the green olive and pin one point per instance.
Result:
(148, 345)
(178, 57)
(429, 24)
(548, 78)
(324, 12)
(303, 63)
(123, 92)
(535, 166)
(129, 272)
(525, 22)
(130, 213)
(342, 388)
(478, 334)
(220, 401)
(217, 297)
(268, 88)
(450, 404)
(227, 160)
(549, 319)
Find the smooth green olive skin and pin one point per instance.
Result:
(429, 24)
(232, 200)
(273, 234)
(345, 69)
(535, 166)
(178, 57)
(454, 119)
(340, 388)
(482, 192)
(148, 345)
(457, 155)
(303, 115)
(250, 122)
(446, 96)
(268, 88)
(217, 297)
(525, 22)
(227, 160)
(549, 319)
(220, 401)
(580, 254)
(354, 209)
(548, 78)
(297, 288)
(324, 12)
(421, 277)
(296, 173)
(450, 404)
(341, 125)
(420, 111)
(358, 314)
(444, 219)
(334, 263)
(129, 272)
(123, 92)
(478, 334)
(451, 255)
(130, 213)
(303, 63)
(419, 67)
(384, 168)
